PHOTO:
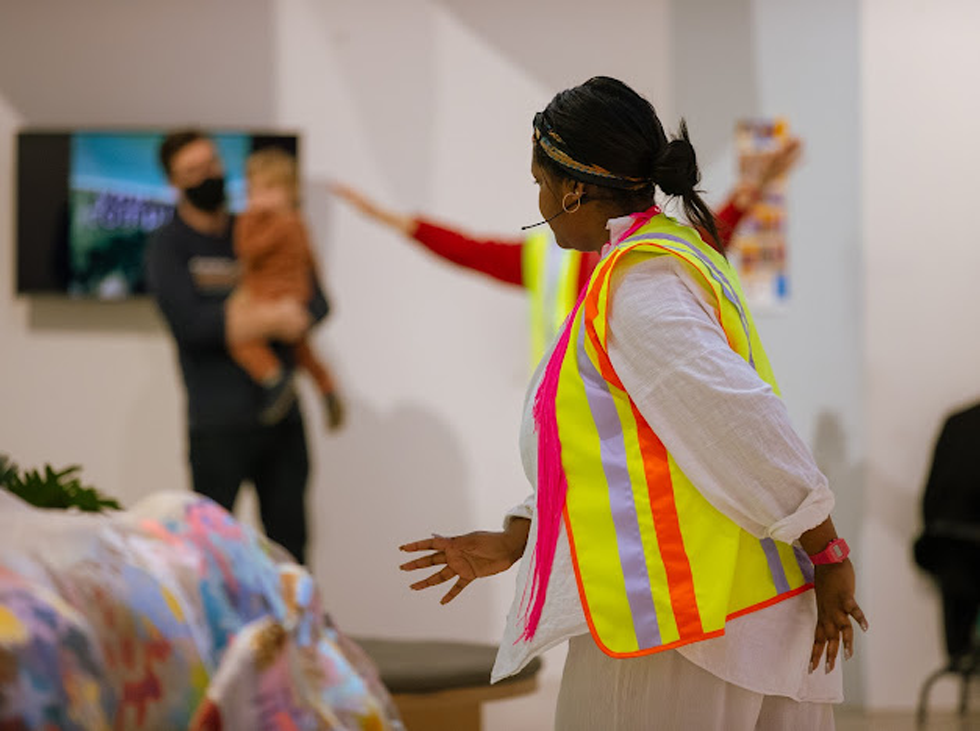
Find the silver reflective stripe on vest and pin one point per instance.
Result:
(805, 564)
(776, 569)
(614, 465)
(775, 565)
(554, 267)
(726, 286)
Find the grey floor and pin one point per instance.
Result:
(852, 721)
(536, 713)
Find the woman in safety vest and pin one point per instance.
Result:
(679, 534)
(553, 277)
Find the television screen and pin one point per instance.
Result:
(87, 201)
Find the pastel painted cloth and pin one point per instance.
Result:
(147, 620)
(291, 672)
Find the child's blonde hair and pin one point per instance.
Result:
(274, 165)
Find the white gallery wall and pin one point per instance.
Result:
(746, 59)
(920, 159)
(90, 383)
(429, 110)
(427, 104)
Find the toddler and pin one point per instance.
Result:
(277, 261)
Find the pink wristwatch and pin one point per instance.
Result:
(835, 552)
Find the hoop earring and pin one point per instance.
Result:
(564, 203)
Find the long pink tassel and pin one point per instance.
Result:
(552, 484)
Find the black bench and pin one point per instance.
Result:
(439, 686)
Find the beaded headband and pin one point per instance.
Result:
(553, 145)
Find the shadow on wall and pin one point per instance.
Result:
(914, 627)
(390, 477)
(154, 456)
(63, 314)
(846, 478)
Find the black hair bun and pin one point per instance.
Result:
(676, 169)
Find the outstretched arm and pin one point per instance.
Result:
(500, 259)
(757, 175)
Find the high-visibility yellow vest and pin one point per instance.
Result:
(657, 566)
(551, 276)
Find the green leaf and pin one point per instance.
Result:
(53, 488)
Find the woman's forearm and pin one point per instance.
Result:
(816, 539)
(515, 536)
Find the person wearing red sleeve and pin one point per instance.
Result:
(506, 259)
(501, 258)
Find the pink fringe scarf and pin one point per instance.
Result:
(552, 483)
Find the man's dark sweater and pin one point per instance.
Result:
(191, 275)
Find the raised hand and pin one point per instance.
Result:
(398, 221)
(780, 162)
(760, 170)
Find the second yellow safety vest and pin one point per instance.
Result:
(551, 276)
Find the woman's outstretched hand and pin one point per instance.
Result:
(467, 557)
(357, 200)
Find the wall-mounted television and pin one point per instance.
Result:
(88, 199)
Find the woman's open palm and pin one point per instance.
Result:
(468, 557)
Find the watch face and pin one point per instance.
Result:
(835, 552)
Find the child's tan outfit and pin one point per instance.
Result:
(277, 261)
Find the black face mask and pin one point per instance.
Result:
(208, 195)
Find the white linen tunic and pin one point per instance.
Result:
(732, 436)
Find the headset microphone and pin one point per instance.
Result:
(542, 223)
(549, 220)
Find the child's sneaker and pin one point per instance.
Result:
(335, 411)
(277, 400)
